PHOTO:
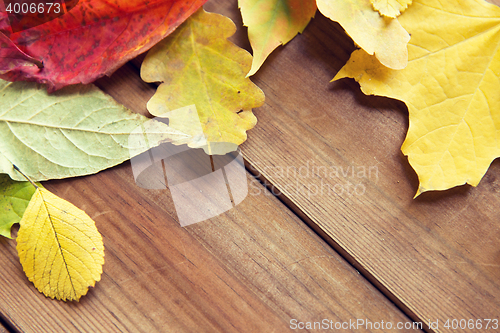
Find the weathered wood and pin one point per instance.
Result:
(3, 329)
(251, 269)
(256, 267)
(436, 256)
(288, 119)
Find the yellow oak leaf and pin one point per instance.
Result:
(59, 247)
(381, 36)
(273, 23)
(390, 8)
(451, 87)
(202, 71)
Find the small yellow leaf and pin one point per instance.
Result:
(199, 67)
(451, 87)
(383, 37)
(59, 247)
(390, 8)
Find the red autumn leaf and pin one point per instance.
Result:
(26, 14)
(13, 59)
(4, 21)
(91, 40)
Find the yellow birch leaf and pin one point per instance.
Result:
(59, 247)
(273, 23)
(451, 87)
(390, 8)
(381, 36)
(198, 66)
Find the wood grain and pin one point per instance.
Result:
(436, 256)
(257, 266)
(251, 269)
(289, 119)
(3, 329)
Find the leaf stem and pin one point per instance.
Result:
(22, 173)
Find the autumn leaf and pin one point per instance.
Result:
(198, 66)
(14, 198)
(59, 247)
(390, 8)
(273, 23)
(35, 12)
(76, 131)
(13, 59)
(383, 37)
(4, 19)
(93, 39)
(451, 87)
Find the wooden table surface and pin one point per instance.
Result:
(307, 254)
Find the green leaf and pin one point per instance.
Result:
(14, 198)
(76, 131)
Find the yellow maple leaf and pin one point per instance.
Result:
(390, 8)
(451, 87)
(381, 36)
(272, 23)
(59, 247)
(199, 66)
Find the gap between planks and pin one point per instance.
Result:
(253, 268)
(122, 82)
(425, 271)
(136, 63)
(4, 326)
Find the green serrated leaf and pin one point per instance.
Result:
(14, 198)
(76, 131)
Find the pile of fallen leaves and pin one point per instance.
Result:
(441, 58)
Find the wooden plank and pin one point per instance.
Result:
(251, 269)
(436, 256)
(3, 329)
